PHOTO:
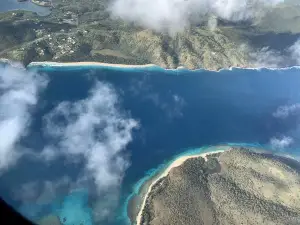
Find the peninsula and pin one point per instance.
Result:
(234, 186)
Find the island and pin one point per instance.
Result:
(235, 186)
(88, 32)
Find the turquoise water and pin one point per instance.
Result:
(180, 112)
(75, 209)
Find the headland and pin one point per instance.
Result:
(176, 163)
(234, 185)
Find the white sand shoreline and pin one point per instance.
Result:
(70, 64)
(115, 65)
(179, 161)
(131, 66)
(141, 66)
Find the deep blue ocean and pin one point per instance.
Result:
(177, 110)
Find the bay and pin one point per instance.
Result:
(177, 111)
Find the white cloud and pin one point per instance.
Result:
(270, 58)
(178, 103)
(281, 143)
(175, 15)
(34, 194)
(94, 129)
(49, 189)
(239, 10)
(93, 132)
(49, 153)
(212, 23)
(27, 192)
(295, 52)
(19, 90)
(96, 132)
(266, 57)
(286, 110)
(40, 191)
(171, 104)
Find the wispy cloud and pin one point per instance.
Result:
(33, 194)
(286, 110)
(93, 131)
(281, 142)
(41, 192)
(270, 58)
(174, 15)
(295, 52)
(170, 103)
(19, 92)
(283, 112)
(266, 57)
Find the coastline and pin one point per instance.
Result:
(125, 66)
(177, 162)
(143, 66)
(133, 66)
(101, 64)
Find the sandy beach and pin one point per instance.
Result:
(59, 64)
(70, 64)
(175, 163)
